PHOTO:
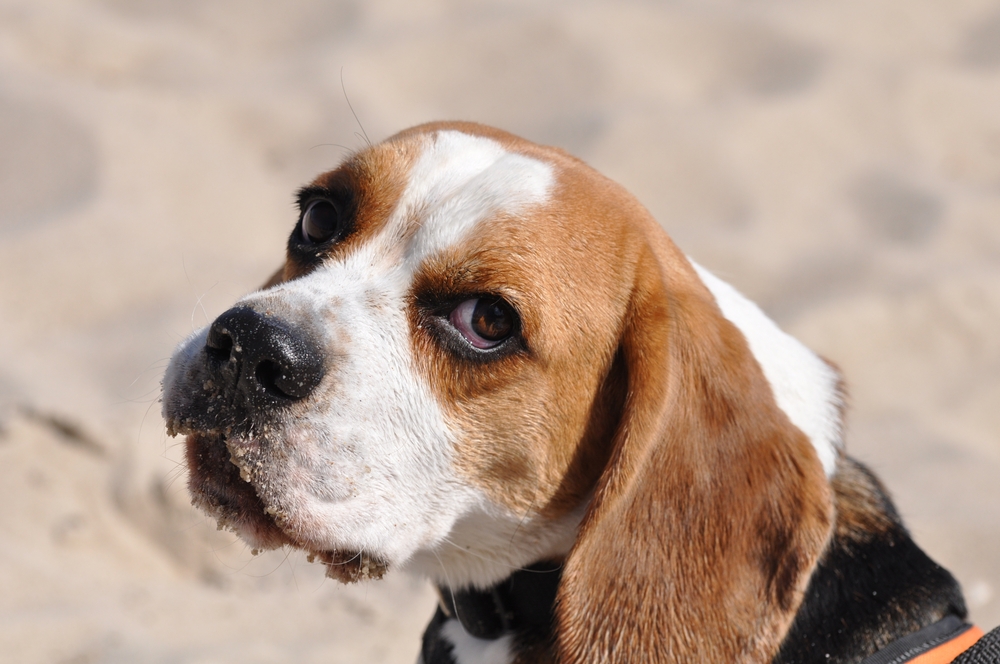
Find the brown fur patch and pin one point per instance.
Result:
(863, 510)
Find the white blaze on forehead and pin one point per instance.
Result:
(460, 180)
(804, 386)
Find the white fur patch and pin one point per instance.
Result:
(490, 543)
(470, 650)
(804, 386)
(460, 180)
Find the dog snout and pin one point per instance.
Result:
(262, 357)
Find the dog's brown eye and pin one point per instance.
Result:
(320, 222)
(484, 322)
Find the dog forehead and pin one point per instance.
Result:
(459, 181)
(422, 192)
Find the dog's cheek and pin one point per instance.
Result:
(295, 465)
(344, 476)
(322, 464)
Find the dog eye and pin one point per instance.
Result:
(484, 321)
(320, 221)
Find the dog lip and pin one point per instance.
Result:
(220, 487)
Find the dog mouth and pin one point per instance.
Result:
(220, 481)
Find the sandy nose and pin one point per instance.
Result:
(263, 357)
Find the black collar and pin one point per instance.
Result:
(916, 644)
(523, 601)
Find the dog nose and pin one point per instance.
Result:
(263, 357)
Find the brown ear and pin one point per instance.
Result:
(713, 509)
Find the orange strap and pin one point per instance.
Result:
(949, 650)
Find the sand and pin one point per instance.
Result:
(839, 162)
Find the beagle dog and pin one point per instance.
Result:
(486, 363)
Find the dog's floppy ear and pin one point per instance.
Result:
(713, 508)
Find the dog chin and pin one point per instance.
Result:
(350, 567)
(218, 489)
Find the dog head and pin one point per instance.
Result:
(481, 353)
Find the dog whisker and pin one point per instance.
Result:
(343, 87)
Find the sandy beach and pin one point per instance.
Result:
(838, 162)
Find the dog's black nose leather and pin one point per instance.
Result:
(262, 358)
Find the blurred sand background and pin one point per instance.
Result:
(839, 162)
